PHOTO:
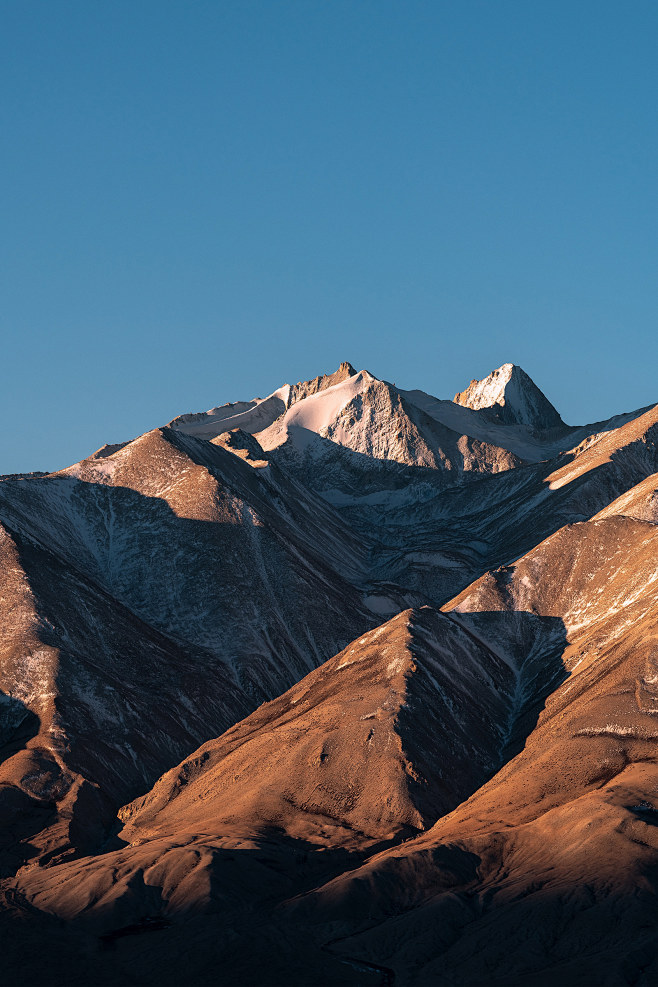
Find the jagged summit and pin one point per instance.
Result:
(259, 413)
(304, 388)
(513, 396)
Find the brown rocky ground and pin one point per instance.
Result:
(464, 794)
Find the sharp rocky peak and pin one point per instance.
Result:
(307, 387)
(512, 396)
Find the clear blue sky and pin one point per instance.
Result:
(204, 200)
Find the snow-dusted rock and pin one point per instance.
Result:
(512, 397)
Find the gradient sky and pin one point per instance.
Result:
(204, 200)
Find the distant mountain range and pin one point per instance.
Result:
(344, 685)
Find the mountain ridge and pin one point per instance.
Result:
(344, 675)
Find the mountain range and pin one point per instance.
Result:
(344, 685)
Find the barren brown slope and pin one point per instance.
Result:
(452, 535)
(547, 874)
(634, 442)
(640, 502)
(183, 532)
(161, 589)
(383, 738)
(377, 743)
(94, 703)
(150, 600)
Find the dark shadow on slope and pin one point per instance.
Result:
(488, 511)
(579, 499)
(646, 812)
(226, 925)
(331, 466)
(169, 629)
(118, 569)
(239, 889)
(558, 930)
(18, 724)
(480, 719)
(19, 810)
(572, 934)
(440, 529)
(533, 645)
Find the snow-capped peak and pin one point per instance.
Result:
(513, 396)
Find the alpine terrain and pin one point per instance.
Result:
(347, 685)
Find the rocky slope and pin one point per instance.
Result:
(463, 794)
(512, 397)
(151, 598)
(348, 735)
(547, 873)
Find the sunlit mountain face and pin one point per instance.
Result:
(347, 685)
